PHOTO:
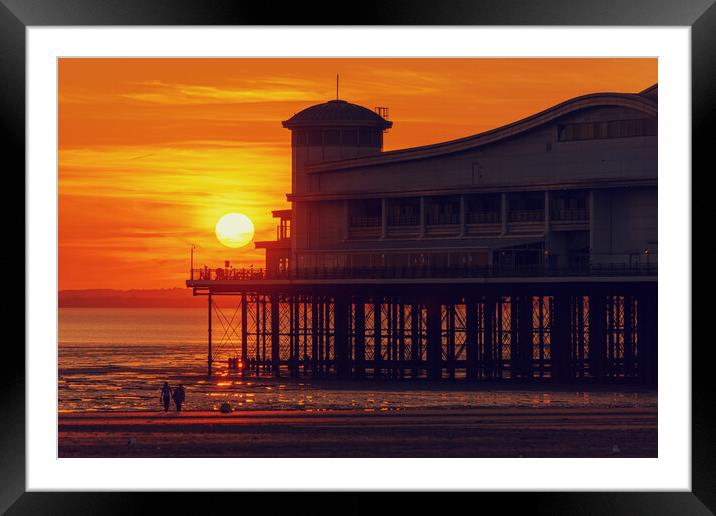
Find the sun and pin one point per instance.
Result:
(234, 230)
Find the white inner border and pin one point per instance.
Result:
(672, 470)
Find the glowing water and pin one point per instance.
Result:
(118, 359)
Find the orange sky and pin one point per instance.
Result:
(153, 151)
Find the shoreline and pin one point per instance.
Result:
(476, 432)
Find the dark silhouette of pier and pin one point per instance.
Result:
(555, 330)
(525, 253)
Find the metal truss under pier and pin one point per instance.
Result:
(555, 332)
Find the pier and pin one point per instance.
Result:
(539, 328)
(524, 253)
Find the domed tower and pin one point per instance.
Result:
(332, 131)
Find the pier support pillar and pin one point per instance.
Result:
(275, 331)
(292, 336)
(514, 344)
(597, 335)
(524, 335)
(415, 338)
(208, 354)
(472, 338)
(314, 337)
(359, 335)
(341, 336)
(450, 337)
(377, 340)
(628, 337)
(490, 358)
(648, 341)
(244, 335)
(434, 339)
(561, 346)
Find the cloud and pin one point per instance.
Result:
(262, 91)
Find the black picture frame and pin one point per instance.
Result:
(17, 15)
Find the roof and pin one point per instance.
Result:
(652, 91)
(640, 102)
(337, 112)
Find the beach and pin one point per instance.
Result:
(113, 363)
(477, 432)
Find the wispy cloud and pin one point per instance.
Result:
(179, 94)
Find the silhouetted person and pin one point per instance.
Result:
(179, 395)
(166, 396)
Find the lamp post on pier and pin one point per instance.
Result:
(191, 261)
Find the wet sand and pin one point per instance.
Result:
(480, 432)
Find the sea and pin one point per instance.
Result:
(117, 359)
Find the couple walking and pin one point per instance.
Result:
(177, 394)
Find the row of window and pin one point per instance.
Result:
(609, 129)
(488, 217)
(380, 260)
(320, 137)
(481, 209)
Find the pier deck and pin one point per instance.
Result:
(589, 325)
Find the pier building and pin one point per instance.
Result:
(525, 252)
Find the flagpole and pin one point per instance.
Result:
(191, 262)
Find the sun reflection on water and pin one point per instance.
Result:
(110, 375)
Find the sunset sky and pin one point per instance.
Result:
(152, 152)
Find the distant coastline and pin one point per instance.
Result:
(136, 298)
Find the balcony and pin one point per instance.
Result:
(442, 215)
(403, 217)
(365, 222)
(364, 227)
(483, 223)
(443, 219)
(442, 224)
(521, 216)
(228, 274)
(569, 219)
(364, 219)
(570, 215)
(403, 220)
(595, 265)
(403, 226)
(486, 217)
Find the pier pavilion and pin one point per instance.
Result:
(526, 252)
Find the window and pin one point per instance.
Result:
(484, 209)
(442, 210)
(350, 137)
(365, 213)
(526, 207)
(332, 137)
(404, 212)
(569, 206)
(527, 201)
(364, 137)
(609, 129)
(299, 138)
(315, 137)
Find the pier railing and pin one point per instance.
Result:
(227, 274)
(554, 266)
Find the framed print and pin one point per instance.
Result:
(423, 257)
